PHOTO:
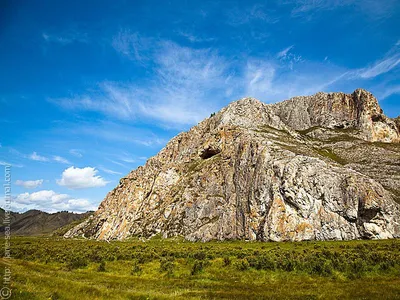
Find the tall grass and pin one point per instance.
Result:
(53, 268)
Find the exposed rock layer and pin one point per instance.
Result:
(322, 167)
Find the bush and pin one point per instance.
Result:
(320, 266)
(241, 255)
(136, 268)
(102, 267)
(198, 267)
(242, 265)
(201, 255)
(167, 265)
(76, 262)
(385, 265)
(227, 261)
(261, 262)
(55, 296)
(358, 267)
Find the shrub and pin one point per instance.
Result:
(242, 264)
(102, 267)
(201, 255)
(227, 261)
(358, 267)
(385, 265)
(261, 262)
(76, 262)
(198, 267)
(136, 268)
(167, 265)
(320, 266)
(55, 296)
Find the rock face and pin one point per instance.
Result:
(321, 167)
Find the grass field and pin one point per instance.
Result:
(53, 268)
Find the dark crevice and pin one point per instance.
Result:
(377, 118)
(209, 152)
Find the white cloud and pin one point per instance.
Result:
(185, 78)
(65, 38)
(239, 16)
(289, 59)
(108, 171)
(41, 196)
(80, 178)
(195, 38)
(380, 67)
(132, 45)
(388, 91)
(76, 152)
(371, 8)
(37, 157)
(51, 201)
(6, 163)
(259, 77)
(60, 159)
(30, 184)
(389, 62)
(284, 52)
(190, 83)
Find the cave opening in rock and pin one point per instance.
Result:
(209, 152)
(377, 118)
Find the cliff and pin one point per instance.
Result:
(321, 167)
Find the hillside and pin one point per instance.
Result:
(321, 167)
(36, 222)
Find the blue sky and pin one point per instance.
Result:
(90, 89)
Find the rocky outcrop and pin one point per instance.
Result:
(397, 122)
(302, 169)
(360, 111)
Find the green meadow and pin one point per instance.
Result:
(55, 268)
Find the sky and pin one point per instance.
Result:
(89, 90)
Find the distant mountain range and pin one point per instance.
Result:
(36, 222)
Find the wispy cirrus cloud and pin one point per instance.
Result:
(238, 16)
(185, 77)
(29, 184)
(132, 45)
(194, 38)
(6, 163)
(388, 63)
(189, 83)
(37, 157)
(109, 171)
(61, 159)
(289, 58)
(76, 152)
(65, 37)
(380, 67)
(284, 52)
(371, 8)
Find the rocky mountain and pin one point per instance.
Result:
(36, 222)
(321, 167)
